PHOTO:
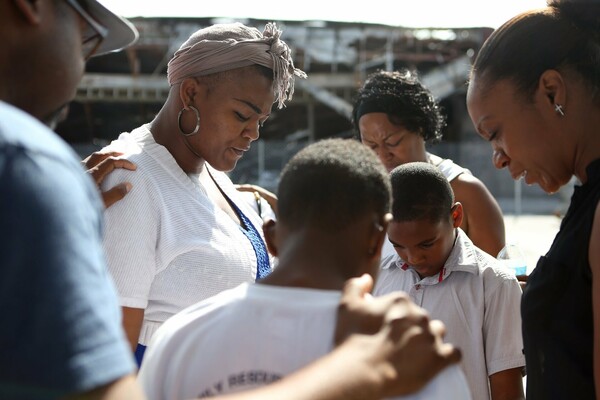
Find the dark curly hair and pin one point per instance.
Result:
(404, 99)
(330, 183)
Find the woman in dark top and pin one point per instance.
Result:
(535, 96)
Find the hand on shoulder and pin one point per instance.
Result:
(392, 337)
(99, 164)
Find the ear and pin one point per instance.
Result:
(552, 89)
(378, 235)
(31, 10)
(189, 90)
(270, 232)
(457, 214)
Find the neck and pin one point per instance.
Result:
(316, 261)
(165, 132)
(588, 147)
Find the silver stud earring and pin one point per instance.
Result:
(559, 110)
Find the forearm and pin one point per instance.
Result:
(507, 385)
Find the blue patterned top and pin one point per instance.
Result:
(263, 267)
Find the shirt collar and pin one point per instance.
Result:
(463, 257)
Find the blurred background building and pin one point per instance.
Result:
(124, 90)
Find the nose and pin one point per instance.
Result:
(252, 131)
(383, 153)
(413, 257)
(500, 159)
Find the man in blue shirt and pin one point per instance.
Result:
(59, 325)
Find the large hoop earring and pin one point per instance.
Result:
(196, 129)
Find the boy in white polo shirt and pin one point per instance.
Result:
(444, 272)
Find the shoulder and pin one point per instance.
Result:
(449, 168)
(468, 183)
(494, 274)
(21, 130)
(474, 195)
(482, 263)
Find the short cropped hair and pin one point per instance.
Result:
(330, 183)
(420, 192)
(404, 99)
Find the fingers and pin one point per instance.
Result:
(419, 351)
(95, 158)
(447, 352)
(245, 188)
(99, 165)
(115, 194)
(407, 320)
(107, 165)
(359, 312)
(356, 288)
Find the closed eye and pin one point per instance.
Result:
(241, 117)
(393, 144)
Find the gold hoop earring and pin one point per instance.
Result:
(196, 129)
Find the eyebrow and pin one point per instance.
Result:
(418, 244)
(253, 107)
(385, 138)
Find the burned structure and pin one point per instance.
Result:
(123, 90)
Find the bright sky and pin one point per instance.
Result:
(417, 13)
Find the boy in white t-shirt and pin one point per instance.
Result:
(444, 272)
(333, 211)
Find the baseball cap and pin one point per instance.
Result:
(121, 32)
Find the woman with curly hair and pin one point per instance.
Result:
(396, 116)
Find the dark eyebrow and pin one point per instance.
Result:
(252, 106)
(418, 244)
(385, 138)
(394, 243)
(394, 133)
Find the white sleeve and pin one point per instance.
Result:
(503, 339)
(130, 238)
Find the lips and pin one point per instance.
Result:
(240, 151)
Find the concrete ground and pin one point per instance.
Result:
(532, 225)
(532, 233)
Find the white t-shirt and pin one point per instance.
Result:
(167, 244)
(250, 336)
(479, 302)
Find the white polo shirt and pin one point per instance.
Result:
(479, 302)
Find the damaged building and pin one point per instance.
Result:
(121, 91)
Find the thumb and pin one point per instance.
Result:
(357, 287)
